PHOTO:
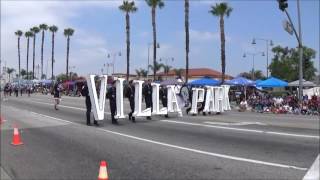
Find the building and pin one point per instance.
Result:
(195, 73)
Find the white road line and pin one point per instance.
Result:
(58, 119)
(313, 172)
(235, 123)
(245, 130)
(70, 107)
(188, 149)
(205, 152)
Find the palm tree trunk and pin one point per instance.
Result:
(19, 54)
(153, 12)
(128, 44)
(42, 42)
(187, 39)
(67, 65)
(34, 54)
(52, 55)
(223, 53)
(28, 57)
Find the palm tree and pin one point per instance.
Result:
(156, 67)
(43, 28)
(28, 34)
(154, 4)
(142, 72)
(35, 30)
(220, 10)
(23, 72)
(128, 7)
(186, 22)
(68, 32)
(19, 34)
(10, 71)
(178, 72)
(53, 29)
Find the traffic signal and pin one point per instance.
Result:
(283, 4)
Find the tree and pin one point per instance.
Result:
(154, 4)
(10, 71)
(128, 7)
(156, 67)
(285, 63)
(43, 76)
(35, 30)
(19, 33)
(28, 34)
(53, 29)
(221, 10)
(62, 77)
(23, 72)
(257, 75)
(67, 33)
(178, 72)
(186, 22)
(43, 28)
(142, 72)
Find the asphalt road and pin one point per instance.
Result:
(233, 145)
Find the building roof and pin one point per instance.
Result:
(198, 72)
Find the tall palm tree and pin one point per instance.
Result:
(35, 31)
(23, 72)
(53, 29)
(10, 71)
(68, 32)
(141, 72)
(154, 4)
(186, 22)
(43, 28)
(28, 35)
(221, 10)
(128, 7)
(19, 33)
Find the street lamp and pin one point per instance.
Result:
(114, 58)
(149, 45)
(166, 60)
(253, 55)
(268, 42)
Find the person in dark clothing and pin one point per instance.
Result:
(56, 94)
(111, 95)
(130, 96)
(163, 96)
(190, 101)
(203, 103)
(85, 93)
(21, 89)
(147, 92)
(16, 91)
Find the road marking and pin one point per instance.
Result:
(205, 152)
(58, 119)
(313, 172)
(235, 123)
(240, 129)
(70, 107)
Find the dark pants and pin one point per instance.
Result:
(131, 100)
(148, 104)
(88, 112)
(113, 109)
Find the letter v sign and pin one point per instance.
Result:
(97, 104)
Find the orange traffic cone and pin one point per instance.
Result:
(16, 137)
(103, 172)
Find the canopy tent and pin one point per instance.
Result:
(273, 82)
(171, 82)
(240, 81)
(205, 81)
(305, 83)
(258, 81)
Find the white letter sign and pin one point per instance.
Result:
(119, 97)
(138, 100)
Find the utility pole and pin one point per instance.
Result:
(283, 5)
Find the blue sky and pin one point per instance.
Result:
(100, 29)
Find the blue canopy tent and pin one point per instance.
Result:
(205, 81)
(273, 82)
(258, 81)
(240, 81)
